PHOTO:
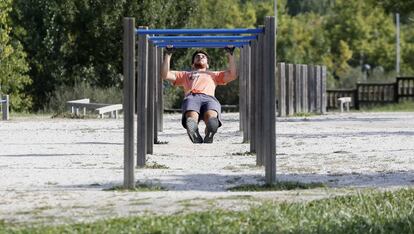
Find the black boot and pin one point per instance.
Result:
(211, 129)
(192, 131)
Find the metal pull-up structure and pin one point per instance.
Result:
(257, 74)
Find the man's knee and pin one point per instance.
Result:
(191, 114)
(209, 114)
(212, 124)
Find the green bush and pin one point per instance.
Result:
(172, 96)
(62, 94)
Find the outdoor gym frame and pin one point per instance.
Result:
(257, 75)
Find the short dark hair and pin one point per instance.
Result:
(200, 52)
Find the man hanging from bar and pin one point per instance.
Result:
(199, 86)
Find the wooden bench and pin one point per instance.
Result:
(100, 108)
(113, 111)
(344, 101)
(5, 106)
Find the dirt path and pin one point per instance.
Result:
(56, 170)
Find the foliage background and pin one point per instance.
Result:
(13, 64)
(50, 46)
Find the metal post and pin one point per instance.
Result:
(6, 107)
(142, 80)
(128, 100)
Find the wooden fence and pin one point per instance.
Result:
(374, 93)
(301, 89)
(405, 89)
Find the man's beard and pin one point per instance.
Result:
(199, 65)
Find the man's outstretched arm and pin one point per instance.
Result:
(166, 73)
(231, 73)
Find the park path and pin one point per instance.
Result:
(59, 170)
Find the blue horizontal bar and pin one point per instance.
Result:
(200, 38)
(201, 44)
(198, 46)
(201, 31)
(219, 44)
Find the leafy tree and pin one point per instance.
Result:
(223, 14)
(300, 39)
(321, 7)
(367, 32)
(74, 41)
(404, 7)
(69, 42)
(407, 49)
(13, 66)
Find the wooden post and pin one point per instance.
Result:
(304, 78)
(282, 89)
(248, 92)
(396, 91)
(242, 93)
(318, 90)
(245, 71)
(156, 90)
(311, 88)
(259, 101)
(357, 97)
(298, 86)
(290, 89)
(142, 80)
(128, 100)
(160, 90)
(253, 97)
(323, 90)
(151, 97)
(269, 64)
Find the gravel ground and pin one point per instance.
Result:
(58, 170)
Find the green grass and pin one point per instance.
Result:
(303, 114)
(29, 115)
(246, 153)
(68, 115)
(388, 212)
(155, 165)
(281, 185)
(139, 187)
(403, 106)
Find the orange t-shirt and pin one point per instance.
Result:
(199, 81)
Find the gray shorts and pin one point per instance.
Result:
(200, 103)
